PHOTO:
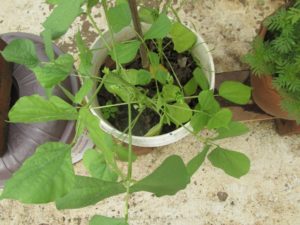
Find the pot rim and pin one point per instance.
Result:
(173, 136)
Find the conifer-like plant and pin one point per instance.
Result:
(279, 55)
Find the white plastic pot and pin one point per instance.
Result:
(199, 51)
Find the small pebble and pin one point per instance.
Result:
(222, 196)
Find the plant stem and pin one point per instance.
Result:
(138, 29)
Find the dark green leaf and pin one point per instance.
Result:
(183, 38)
(102, 220)
(169, 178)
(233, 129)
(21, 51)
(91, 3)
(122, 153)
(233, 163)
(179, 113)
(84, 90)
(44, 177)
(125, 52)
(160, 28)
(208, 102)
(62, 17)
(46, 35)
(34, 109)
(119, 16)
(195, 163)
(201, 78)
(88, 191)
(220, 119)
(235, 92)
(51, 74)
(190, 87)
(199, 121)
(95, 163)
(148, 15)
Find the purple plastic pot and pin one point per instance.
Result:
(23, 139)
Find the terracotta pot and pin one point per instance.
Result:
(265, 95)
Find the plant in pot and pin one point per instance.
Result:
(275, 62)
(168, 84)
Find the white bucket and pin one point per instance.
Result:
(200, 51)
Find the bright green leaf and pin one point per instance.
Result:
(207, 102)
(102, 220)
(125, 52)
(199, 121)
(46, 35)
(171, 92)
(21, 51)
(84, 90)
(195, 163)
(44, 177)
(88, 191)
(35, 108)
(148, 15)
(119, 16)
(169, 178)
(233, 163)
(85, 56)
(154, 58)
(201, 78)
(136, 77)
(220, 119)
(92, 3)
(183, 38)
(190, 87)
(179, 112)
(122, 153)
(155, 130)
(160, 28)
(235, 92)
(95, 163)
(233, 129)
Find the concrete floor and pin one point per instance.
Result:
(268, 195)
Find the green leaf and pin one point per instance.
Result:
(183, 38)
(34, 109)
(84, 90)
(160, 28)
(102, 220)
(85, 56)
(148, 15)
(44, 177)
(88, 191)
(201, 78)
(161, 74)
(154, 58)
(95, 163)
(220, 119)
(235, 92)
(179, 113)
(119, 16)
(169, 178)
(53, 2)
(233, 129)
(195, 163)
(46, 35)
(125, 52)
(91, 3)
(122, 153)
(51, 74)
(190, 87)
(21, 51)
(207, 102)
(155, 130)
(62, 17)
(171, 92)
(136, 77)
(233, 163)
(199, 121)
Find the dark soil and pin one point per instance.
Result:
(149, 118)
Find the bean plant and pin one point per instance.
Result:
(48, 175)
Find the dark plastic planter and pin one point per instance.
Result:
(23, 139)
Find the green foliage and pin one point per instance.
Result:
(102, 220)
(220, 119)
(195, 163)
(125, 52)
(200, 78)
(160, 28)
(45, 176)
(119, 16)
(278, 55)
(235, 92)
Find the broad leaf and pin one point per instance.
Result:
(44, 177)
(208, 102)
(88, 191)
(171, 92)
(233, 163)
(46, 35)
(153, 58)
(62, 17)
(125, 52)
(160, 28)
(119, 16)
(183, 38)
(102, 220)
(199, 121)
(122, 153)
(235, 92)
(195, 163)
(190, 87)
(35, 108)
(179, 113)
(155, 130)
(95, 163)
(169, 178)
(201, 79)
(85, 56)
(51, 74)
(161, 74)
(21, 51)
(92, 3)
(220, 119)
(84, 90)
(148, 15)
(136, 77)
(233, 129)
